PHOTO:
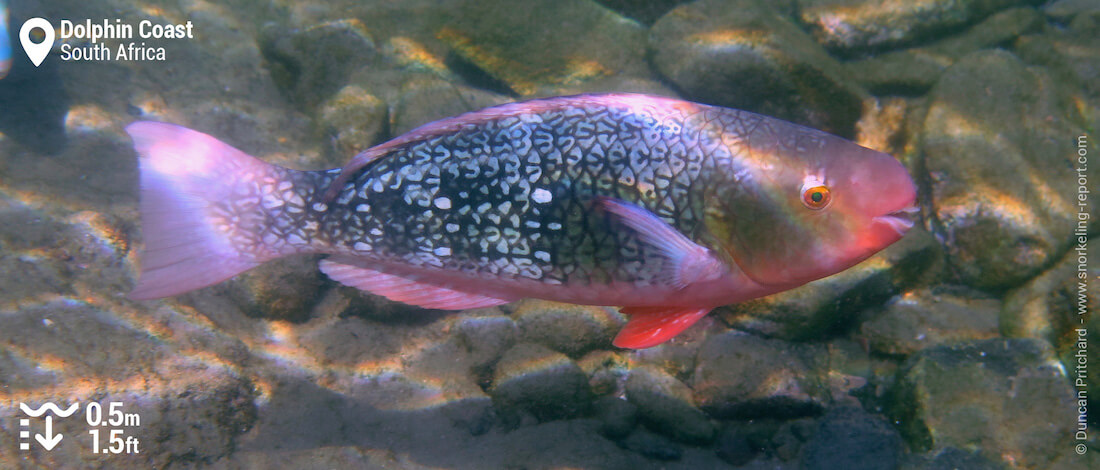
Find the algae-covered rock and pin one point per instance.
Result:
(426, 98)
(932, 317)
(283, 289)
(734, 447)
(916, 70)
(739, 375)
(49, 255)
(1067, 10)
(1072, 56)
(544, 43)
(617, 416)
(202, 422)
(744, 54)
(850, 26)
(1045, 307)
(1008, 398)
(851, 438)
(607, 371)
(310, 64)
(652, 445)
(542, 382)
(666, 405)
(353, 120)
(566, 328)
(998, 144)
(950, 458)
(1057, 306)
(486, 338)
(644, 11)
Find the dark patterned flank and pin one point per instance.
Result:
(512, 197)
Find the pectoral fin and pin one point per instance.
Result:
(650, 326)
(686, 261)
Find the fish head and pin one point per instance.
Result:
(797, 213)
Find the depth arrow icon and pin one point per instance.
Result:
(50, 440)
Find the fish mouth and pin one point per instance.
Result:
(900, 220)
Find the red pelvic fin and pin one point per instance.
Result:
(650, 326)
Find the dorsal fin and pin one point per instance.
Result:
(474, 118)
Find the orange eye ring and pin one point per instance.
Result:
(816, 197)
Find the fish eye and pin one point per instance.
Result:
(816, 196)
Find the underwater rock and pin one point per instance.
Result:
(426, 98)
(545, 383)
(71, 351)
(644, 11)
(830, 305)
(1072, 56)
(567, 328)
(652, 445)
(852, 26)
(1007, 398)
(486, 338)
(744, 376)
(201, 423)
(283, 289)
(998, 144)
(324, 457)
(931, 317)
(76, 177)
(606, 370)
(791, 436)
(950, 458)
(71, 340)
(544, 44)
(448, 367)
(883, 124)
(53, 256)
(666, 405)
(1067, 10)
(352, 120)
(617, 416)
(1045, 306)
(916, 70)
(743, 54)
(848, 437)
(734, 447)
(313, 63)
(676, 357)
(1053, 307)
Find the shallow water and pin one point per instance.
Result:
(966, 344)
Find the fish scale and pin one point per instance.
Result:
(560, 240)
(665, 207)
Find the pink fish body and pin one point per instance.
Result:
(664, 207)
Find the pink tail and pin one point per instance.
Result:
(200, 204)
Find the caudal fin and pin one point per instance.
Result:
(200, 204)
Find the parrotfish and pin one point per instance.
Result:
(662, 207)
(5, 40)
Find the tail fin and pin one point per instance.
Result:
(200, 204)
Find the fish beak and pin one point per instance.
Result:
(900, 221)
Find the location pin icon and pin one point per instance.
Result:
(36, 52)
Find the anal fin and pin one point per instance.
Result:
(405, 290)
(650, 326)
